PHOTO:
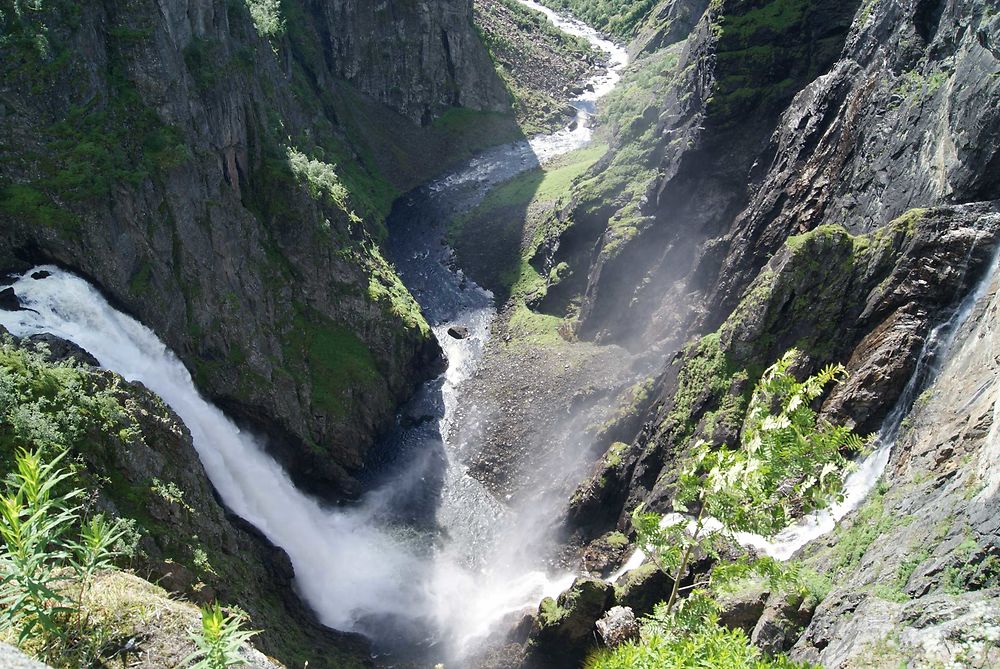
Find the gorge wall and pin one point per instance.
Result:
(222, 170)
(787, 174)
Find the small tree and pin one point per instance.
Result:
(219, 640)
(789, 464)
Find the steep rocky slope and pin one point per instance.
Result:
(136, 461)
(766, 121)
(787, 173)
(540, 65)
(222, 169)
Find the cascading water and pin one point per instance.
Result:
(411, 564)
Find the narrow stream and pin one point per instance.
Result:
(410, 566)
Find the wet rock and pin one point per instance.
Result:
(563, 631)
(458, 332)
(618, 626)
(643, 588)
(605, 553)
(9, 300)
(41, 274)
(61, 349)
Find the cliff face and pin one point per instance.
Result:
(824, 177)
(769, 120)
(216, 167)
(419, 58)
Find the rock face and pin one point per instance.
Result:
(871, 302)
(563, 630)
(220, 178)
(732, 160)
(845, 209)
(917, 566)
(419, 58)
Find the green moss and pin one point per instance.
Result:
(704, 384)
(853, 541)
(336, 363)
(550, 613)
(617, 540)
(613, 457)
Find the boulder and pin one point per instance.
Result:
(742, 610)
(618, 626)
(9, 301)
(458, 332)
(563, 630)
(643, 588)
(61, 349)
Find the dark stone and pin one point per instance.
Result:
(458, 332)
(61, 349)
(41, 274)
(9, 301)
(742, 610)
(564, 628)
(643, 588)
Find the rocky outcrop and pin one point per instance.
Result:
(541, 66)
(872, 300)
(419, 58)
(563, 629)
(222, 173)
(915, 570)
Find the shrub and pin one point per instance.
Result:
(43, 566)
(219, 640)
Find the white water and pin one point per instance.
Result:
(358, 568)
(862, 480)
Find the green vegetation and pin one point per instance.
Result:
(47, 571)
(526, 50)
(707, 645)
(219, 640)
(266, 16)
(517, 216)
(89, 148)
(631, 113)
(868, 525)
(337, 364)
(789, 462)
(320, 179)
(618, 18)
(914, 86)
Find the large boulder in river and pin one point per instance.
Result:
(9, 301)
(563, 631)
